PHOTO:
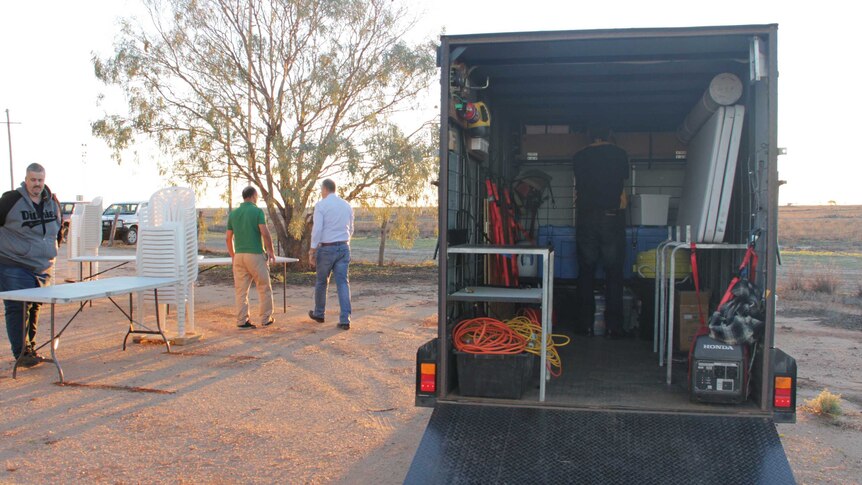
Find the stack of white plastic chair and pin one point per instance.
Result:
(167, 248)
(85, 231)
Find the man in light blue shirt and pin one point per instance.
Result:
(330, 252)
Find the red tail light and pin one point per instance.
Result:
(428, 377)
(783, 392)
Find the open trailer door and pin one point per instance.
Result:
(466, 443)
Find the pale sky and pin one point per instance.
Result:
(47, 83)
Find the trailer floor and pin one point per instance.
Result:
(622, 374)
(474, 443)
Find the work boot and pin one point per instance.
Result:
(30, 359)
(312, 316)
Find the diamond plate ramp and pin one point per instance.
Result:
(493, 444)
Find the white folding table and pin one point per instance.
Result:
(121, 259)
(82, 292)
(226, 261)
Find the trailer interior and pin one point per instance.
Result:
(534, 95)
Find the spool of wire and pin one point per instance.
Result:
(529, 326)
(487, 336)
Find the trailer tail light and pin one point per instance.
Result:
(426, 374)
(428, 377)
(783, 392)
(783, 387)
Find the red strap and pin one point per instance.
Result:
(703, 329)
(728, 293)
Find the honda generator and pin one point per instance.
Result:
(719, 372)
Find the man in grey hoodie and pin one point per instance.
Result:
(30, 222)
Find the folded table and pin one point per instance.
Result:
(83, 292)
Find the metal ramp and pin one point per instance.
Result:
(513, 445)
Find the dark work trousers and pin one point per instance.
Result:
(15, 278)
(601, 238)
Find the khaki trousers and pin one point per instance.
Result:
(249, 267)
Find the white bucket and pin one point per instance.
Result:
(528, 265)
(599, 317)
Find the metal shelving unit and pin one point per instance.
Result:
(544, 296)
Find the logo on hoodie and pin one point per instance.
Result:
(31, 218)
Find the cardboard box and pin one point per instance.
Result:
(641, 145)
(686, 317)
(552, 146)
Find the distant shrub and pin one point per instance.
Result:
(794, 282)
(824, 283)
(858, 291)
(825, 404)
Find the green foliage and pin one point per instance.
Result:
(286, 92)
(825, 404)
(394, 179)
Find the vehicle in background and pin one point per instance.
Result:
(66, 209)
(126, 214)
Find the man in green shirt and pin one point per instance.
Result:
(246, 235)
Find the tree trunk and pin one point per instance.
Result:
(289, 245)
(382, 241)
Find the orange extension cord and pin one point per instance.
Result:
(521, 334)
(487, 336)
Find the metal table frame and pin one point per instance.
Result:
(227, 261)
(665, 277)
(543, 295)
(202, 261)
(81, 293)
(122, 260)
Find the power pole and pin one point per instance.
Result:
(9, 133)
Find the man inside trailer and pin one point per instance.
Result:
(600, 170)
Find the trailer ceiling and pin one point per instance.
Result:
(639, 80)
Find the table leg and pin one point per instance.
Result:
(159, 320)
(131, 323)
(54, 341)
(284, 290)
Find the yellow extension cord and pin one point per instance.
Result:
(533, 333)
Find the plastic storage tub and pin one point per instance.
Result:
(496, 376)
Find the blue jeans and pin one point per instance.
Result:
(333, 261)
(15, 278)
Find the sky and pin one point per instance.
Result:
(48, 86)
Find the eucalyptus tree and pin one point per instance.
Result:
(394, 180)
(278, 93)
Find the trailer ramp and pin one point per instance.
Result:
(514, 445)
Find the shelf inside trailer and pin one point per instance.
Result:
(493, 294)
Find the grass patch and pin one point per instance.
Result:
(359, 272)
(827, 254)
(794, 282)
(825, 404)
(824, 283)
(372, 242)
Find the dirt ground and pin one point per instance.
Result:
(297, 402)
(302, 402)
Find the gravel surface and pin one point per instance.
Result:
(301, 402)
(297, 402)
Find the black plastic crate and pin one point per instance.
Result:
(491, 375)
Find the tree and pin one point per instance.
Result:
(281, 92)
(394, 180)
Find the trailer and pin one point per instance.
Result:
(695, 110)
